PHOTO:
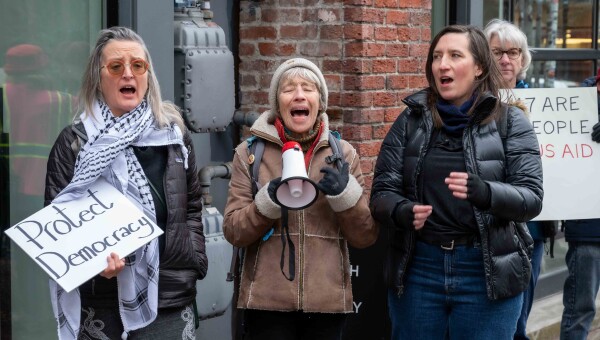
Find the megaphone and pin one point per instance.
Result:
(295, 191)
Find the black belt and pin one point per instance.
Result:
(467, 240)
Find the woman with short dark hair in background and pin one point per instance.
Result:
(452, 187)
(139, 144)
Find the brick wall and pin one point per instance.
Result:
(372, 53)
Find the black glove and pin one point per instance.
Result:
(404, 215)
(478, 192)
(272, 187)
(334, 181)
(596, 133)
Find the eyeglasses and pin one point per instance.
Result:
(512, 53)
(117, 67)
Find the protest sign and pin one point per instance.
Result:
(562, 120)
(71, 241)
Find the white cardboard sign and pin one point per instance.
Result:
(563, 120)
(72, 240)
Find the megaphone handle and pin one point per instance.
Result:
(292, 249)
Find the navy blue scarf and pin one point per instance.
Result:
(455, 119)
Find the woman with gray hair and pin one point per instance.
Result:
(137, 142)
(309, 298)
(509, 46)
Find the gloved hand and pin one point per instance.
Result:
(273, 184)
(404, 215)
(334, 181)
(596, 133)
(478, 192)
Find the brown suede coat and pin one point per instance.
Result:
(321, 233)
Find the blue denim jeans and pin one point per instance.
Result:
(581, 288)
(536, 265)
(445, 298)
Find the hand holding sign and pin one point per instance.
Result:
(73, 241)
(114, 267)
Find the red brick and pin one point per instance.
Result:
(387, 98)
(332, 32)
(364, 82)
(364, 115)
(426, 34)
(335, 99)
(357, 99)
(265, 80)
(324, 15)
(409, 34)
(397, 82)
(362, 14)
(386, 33)
(248, 80)
(364, 49)
(397, 18)
(255, 97)
(356, 2)
(276, 49)
(298, 32)
(333, 81)
(248, 12)
(419, 50)
(367, 165)
(335, 115)
(380, 131)
(391, 114)
(255, 33)
(384, 65)
(410, 3)
(417, 81)
(284, 3)
(420, 18)
(396, 50)
(332, 66)
(411, 65)
(368, 149)
(246, 49)
(357, 66)
(387, 3)
(319, 49)
(358, 31)
(357, 132)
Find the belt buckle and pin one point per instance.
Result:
(445, 247)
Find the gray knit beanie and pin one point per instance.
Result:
(296, 62)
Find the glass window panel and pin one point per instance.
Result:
(555, 24)
(559, 74)
(42, 60)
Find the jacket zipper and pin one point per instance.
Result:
(473, 169)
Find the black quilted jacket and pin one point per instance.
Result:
(513, 172)
(184, 258)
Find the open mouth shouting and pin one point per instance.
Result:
(446, 81)
(128, 90)
(300, 113)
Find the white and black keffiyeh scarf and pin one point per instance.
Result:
(108, 153)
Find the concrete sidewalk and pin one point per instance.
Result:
(544, 319)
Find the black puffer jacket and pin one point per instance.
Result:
(183, 260)
(513, 172)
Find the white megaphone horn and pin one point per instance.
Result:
(296, 191)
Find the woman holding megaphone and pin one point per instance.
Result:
(295, 278)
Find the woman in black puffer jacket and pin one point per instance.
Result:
(457, 175)
(139, 145)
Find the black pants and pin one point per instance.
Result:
(269, 325)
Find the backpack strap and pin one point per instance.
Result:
(257, 148)
(336, 148)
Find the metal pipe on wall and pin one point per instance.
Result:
(207, 173)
